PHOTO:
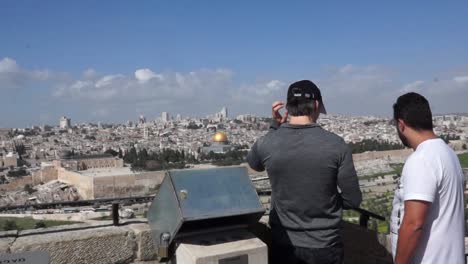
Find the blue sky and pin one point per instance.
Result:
(81, 58)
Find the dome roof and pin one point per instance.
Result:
(220, 137)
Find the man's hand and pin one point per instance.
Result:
(276, 114)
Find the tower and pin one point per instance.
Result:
(224, 113)
(145, 131)
(64, 122)
(165, 116)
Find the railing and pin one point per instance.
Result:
(364, 215)
(116, 202)
(95, 202)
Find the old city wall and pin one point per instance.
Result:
(402, 153)
(150, 180)
(46, 174)
(140, 184)
(83, 184)
(114, 186)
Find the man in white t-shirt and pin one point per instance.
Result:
(427, 223)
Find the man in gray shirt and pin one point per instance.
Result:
(312, 178)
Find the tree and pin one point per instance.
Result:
(142, 158)
(131, 156)
(20, 149)
(192, 125)
(373, 145)
(112, 152)
(40, 224)
(153, 165)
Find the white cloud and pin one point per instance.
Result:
(461, 79)
(412, 87)
(350, 89)
(147, 86)
(90, 74)
(144, 75)
(12, 76)
(261, 93)
(108, 80)
(349, 68)
(8, 65)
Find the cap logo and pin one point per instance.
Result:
(298, 92)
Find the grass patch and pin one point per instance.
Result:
(103, 218)
(22, 223)
(463, 160)
(382, 227)
(372, 176)
(397, 167)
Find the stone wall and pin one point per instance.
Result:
(150, 179)
(403, 153)
(140, 184)
(45, 174)
(115, 186)
(90, 187)
(132, 243)
(84, 243)
(84, 185)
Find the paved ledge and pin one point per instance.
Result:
(100, 242)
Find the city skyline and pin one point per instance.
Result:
(125, 60)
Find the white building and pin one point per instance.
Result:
(142, 119)
(247, 118)
(165, 117)
(65, 122)
(224, 113)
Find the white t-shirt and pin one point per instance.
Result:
(433, 174)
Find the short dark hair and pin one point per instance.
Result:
(414, 109)
(297, 107)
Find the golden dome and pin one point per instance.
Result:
(220, 137)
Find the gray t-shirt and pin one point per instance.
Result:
(312, 178)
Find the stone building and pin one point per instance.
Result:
(99, 176)
(9, 160)
(78, 163)
(64, 122)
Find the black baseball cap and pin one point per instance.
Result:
(303, 91)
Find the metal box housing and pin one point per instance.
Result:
(198, 200)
